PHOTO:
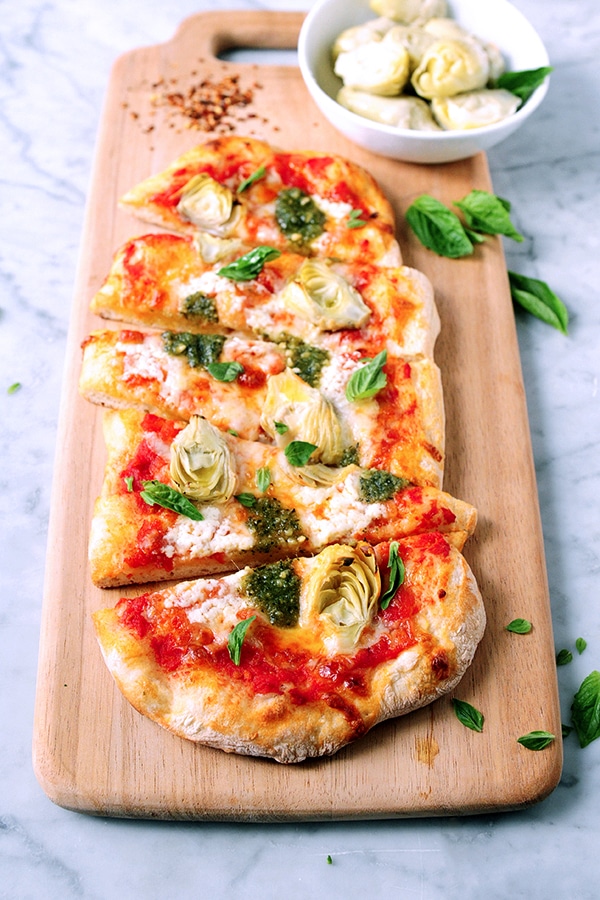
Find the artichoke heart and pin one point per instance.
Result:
(209, 205)
(202, 466)
(342, 594)
(307, 415)
(324, 298)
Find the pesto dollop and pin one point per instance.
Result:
(272, 523)
(298, 216)
(302, 358)
(350, 456)
(276, 590)
(377, 485)
(199, 305)
(199, 349)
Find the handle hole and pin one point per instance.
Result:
(276, 56)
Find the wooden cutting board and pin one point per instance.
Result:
(92, 751)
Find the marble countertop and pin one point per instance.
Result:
(56, 57)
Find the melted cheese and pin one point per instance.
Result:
(218, 532)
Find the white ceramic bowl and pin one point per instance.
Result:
(494, 20)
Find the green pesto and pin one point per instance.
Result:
(303, 359)
(276, 589)
(272, 523)
(377, 485)
(199, 349)
(350, 456)
(200, 306)
(298, 216)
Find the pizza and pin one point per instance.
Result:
(241, 192)
(246, 503)
(274, 427)
(301, 387)
(297, 658)
(163, 281)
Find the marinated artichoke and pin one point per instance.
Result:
(306, 413)
(202, 466)
(342, 594)
(209, 205)
(376, 67)
(408, 11)
(324, 298)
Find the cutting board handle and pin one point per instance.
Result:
(216, 33)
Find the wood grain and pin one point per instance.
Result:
(92, 751)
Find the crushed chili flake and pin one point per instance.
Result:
(207, 105)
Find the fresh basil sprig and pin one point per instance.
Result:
(298, 453)
(256, 176)
(536, 297)
(536, 740)
(236, 639)
(468, 715)
(263, 479)
(281, 427)
(368, 379)
(519, 626)
(580, 645)
(250, 265)
(247, 500)
(438, 228)
(487, 213)
(225, 371)
(523, 83)
(564, 657)
(585, 709)
(396, 576)
(355, 220)
(155, 492)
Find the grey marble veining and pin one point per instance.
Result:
(55, 57)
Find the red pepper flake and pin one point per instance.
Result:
(208, 105)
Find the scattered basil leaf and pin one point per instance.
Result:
(474, 236)
(519, 626)
(15, 386)
(298, 453)
(263, 479)
(585, 710)
(523, 83)
(564, 657)
(536, 740)
(438, 228)
(129, 482)
(368, 379)
(566, 730)
(233, 432)
(155, 492)
(256, 176)
(536, 297)
(468, 715)
(250, 265)
(396, 576)
(236, 639)
(329, 860)
(484, 212)
(580, 645)
(247, 500)
(225, 371)
(355, 220)
(281, 427)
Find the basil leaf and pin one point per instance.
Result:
(536, 297)
(566, 730)
(536, 740)
(298, 453)
(281, 427)
(250, 265)
(233, 432)
(263, 479)
(236, 639)
(329, 860)
(129, 482)
(225, 371)
(247, 500)
(564, 657)
(396, 576)
(256, 176)
(14, 387)
(580, 645)
(585, 710)
(354, 219)
(487, 213)
(155, 492)
(468, 715)
(368, 379)
(519, 626)
(438, 228)
(525, 82)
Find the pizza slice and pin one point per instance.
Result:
(180, 501)
(241, 192)
(297, 658)
(164, 281)
(383, 412)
